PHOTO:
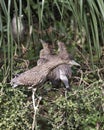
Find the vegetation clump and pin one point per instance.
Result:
(80, 25)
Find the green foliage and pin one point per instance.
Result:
(80, 109)
(14, 109)
(80, 25)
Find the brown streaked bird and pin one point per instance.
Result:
(62, 72)
(20, 31)
(62, 51)
(46, 53)
(37, 75)
(63, 54)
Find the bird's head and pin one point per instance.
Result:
(61, 46)
(15, 81)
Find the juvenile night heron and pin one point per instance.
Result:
(21, 31)
(36, 76)
(61, 73)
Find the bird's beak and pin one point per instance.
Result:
(72, 62)
(14, 86)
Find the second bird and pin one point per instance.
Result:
(61, 73)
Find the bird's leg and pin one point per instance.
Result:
(64, 79)
(35, 106)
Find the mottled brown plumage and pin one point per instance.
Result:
(46, 54)
(54, 68)
(37, 75)
(61, 72)
(62, 51)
